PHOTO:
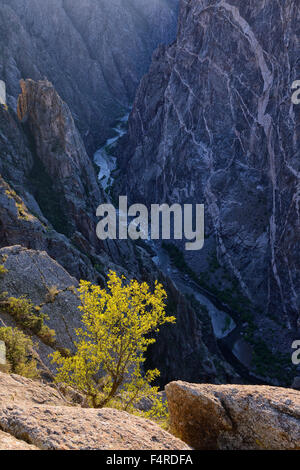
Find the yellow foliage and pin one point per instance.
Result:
(117, 323)
(3, 271)
(18, 353)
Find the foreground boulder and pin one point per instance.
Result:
(69, 428)
(235, 417)
(35, 414)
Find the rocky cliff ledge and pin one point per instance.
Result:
(36, 416)
(33, 415)
(233, 417)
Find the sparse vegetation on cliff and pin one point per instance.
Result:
(3, 271)
(26, 314)
(19, 348)
(28, 317)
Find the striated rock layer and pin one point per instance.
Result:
(227, 417)
(213, 123)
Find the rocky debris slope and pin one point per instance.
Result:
(235, 417)
(95, 52)
(34, 414)
(213, 123)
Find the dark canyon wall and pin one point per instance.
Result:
(93, 51)
(213, 123)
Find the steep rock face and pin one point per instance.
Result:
(16, 159)
(228, 417)
(60, 149)
(43, 191)
(95, 52)
(45, 162)
(213, 123)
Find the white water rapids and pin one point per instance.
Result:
(104, 157)
(222, 323)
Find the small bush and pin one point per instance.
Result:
(3, 271)
(27, 316)
(52, 293)
(18, 353)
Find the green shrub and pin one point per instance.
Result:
(18, 353)
(28, 317)
(3, 271)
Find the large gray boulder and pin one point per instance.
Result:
(47, 285)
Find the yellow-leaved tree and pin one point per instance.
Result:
(108, 364)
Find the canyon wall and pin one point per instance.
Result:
(213, 123)
(48, 199)
(94, 52)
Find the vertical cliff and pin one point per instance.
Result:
(60, 151)
(213, 123)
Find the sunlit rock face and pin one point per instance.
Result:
(94, 52)
(213, 122)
